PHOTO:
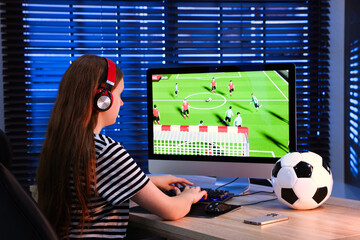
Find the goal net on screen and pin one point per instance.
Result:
(201, 140)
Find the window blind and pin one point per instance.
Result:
(41, 38)
(351, 96)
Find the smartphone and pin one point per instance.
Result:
(266, 219)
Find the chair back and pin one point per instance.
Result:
(20, 216)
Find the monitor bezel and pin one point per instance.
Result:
(223, 68)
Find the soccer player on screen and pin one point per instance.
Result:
(176, 89)
(213, 85)
(209, 151)
(238, 120)
(156, 115)
(228, 114)
(255, 101)
(231, 87)
(185, 108)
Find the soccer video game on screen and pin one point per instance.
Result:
(221, 113)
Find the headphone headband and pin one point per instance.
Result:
(111, 76)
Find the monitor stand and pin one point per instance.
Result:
(261, 184)
(239, 186)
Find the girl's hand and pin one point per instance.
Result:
(169, 182)
(194, 193)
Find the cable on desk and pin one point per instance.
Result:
(246, 191)
(268, 200)
(247, 194)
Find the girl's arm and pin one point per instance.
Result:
(154, 200)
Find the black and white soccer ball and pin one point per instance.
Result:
(302, 180)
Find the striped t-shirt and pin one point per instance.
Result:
(118, 179)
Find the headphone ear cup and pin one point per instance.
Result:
(103, 100)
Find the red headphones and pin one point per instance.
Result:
(103, 98)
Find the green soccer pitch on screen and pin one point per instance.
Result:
(245, 112)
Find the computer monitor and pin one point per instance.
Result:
(202, 141)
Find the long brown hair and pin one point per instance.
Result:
(68, 151)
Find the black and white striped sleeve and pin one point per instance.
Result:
(118, 176)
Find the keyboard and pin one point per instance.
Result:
(212, 194)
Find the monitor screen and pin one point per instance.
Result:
(224, 120)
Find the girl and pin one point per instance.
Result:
(85, 179)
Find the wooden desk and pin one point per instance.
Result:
(336, 219)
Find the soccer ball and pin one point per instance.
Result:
(302, 180)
